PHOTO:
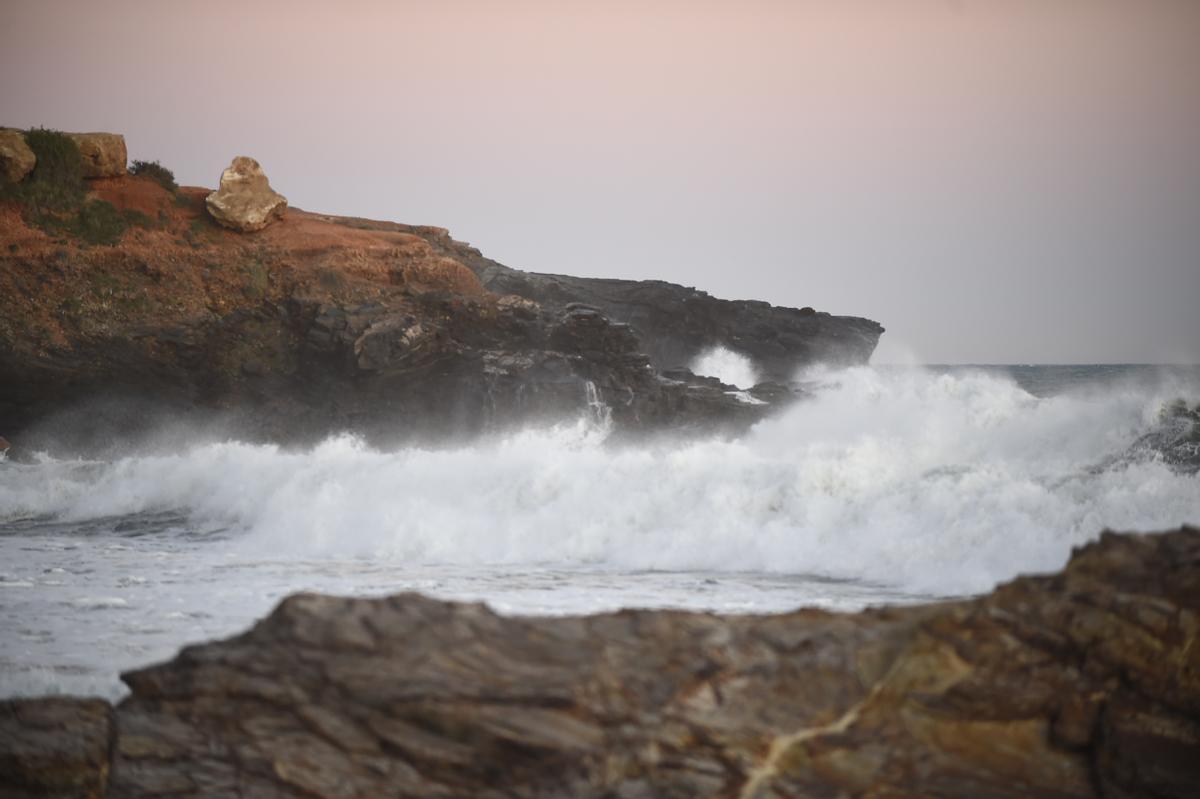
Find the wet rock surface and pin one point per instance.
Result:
(1175, 439)
(1085, 683)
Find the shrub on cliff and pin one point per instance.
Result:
(96, 222)
(99, 222)
(157, 172)
(56, 182)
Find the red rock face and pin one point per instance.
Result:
(1081, 684)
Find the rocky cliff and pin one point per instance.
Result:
(319, 323)
(676, 323)
(1080, 684)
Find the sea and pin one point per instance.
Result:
(890, 485)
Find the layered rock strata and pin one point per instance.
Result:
(1081, 684)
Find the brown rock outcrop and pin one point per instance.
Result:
(1081, 684)
(55, 747)
(245, 200)
(104, 154)
(16, 159)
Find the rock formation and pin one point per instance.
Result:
(1081, 684)
(319, 324)
(104, 154)
(16, 159)
(677, 323)
(1175, 438)
(245, 200)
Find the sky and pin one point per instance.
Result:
(995, 181)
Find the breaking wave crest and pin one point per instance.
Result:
(732, 368)
(941, 483)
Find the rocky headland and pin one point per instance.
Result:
(1084, 683)
(287, 325)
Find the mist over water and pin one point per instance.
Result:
(891, 485)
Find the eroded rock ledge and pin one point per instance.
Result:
(1085, 683)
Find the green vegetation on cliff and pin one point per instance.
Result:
(54, 195)
(157, 172)
(56, 183)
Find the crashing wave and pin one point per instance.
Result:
(934, 482)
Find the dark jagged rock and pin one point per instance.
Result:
(464, 365)
(1081, 684)
(318, 324)
(677, 323)
(1175, 438)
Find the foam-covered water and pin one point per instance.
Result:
(891, 485)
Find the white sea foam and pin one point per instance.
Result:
(941, 483)
(732, 368)
(99, 602)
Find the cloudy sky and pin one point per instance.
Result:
(993, 180)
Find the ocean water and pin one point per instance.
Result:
(899, 484)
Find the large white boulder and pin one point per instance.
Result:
(245, 200)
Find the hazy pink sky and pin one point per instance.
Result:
(993, 180)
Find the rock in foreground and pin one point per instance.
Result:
(1081, 684)
(55, 747)
(1175, 439)
(245, 200)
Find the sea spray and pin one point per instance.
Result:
(731, 368)
(938, 483)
